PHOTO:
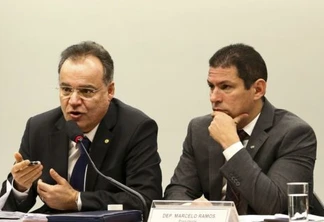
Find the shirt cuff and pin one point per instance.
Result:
(232, 150)
(20, 196)
(78, 201)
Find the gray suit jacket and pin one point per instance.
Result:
(282, 148)
(129, 157)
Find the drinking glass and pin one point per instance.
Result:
(298, 201)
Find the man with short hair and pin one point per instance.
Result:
(253, 171)
(123, 144)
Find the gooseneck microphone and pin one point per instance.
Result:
(76, 135)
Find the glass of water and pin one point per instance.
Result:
(298, 201)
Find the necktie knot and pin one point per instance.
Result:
(86, 143)
(242, 134)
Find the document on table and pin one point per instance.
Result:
(11, 215)
(20, 216)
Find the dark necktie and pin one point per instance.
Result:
(242, 134)
(78, 173)
(231, 193)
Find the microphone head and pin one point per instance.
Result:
(73, 130)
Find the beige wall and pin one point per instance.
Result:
(161, 50)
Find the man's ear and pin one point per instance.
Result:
(111, 90)
(259, 88)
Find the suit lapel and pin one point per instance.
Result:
(259, 133)
(100, 144)
(256, 142)
(59, 149)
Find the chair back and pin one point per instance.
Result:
(317, 207)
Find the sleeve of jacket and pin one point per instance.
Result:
(292, 158)
(11, 203)
(185, 183)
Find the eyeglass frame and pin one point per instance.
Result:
(78, 90)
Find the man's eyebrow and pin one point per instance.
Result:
(64, 84)
(219, 83)
(82, 86)
(87, 86)
(210, 83)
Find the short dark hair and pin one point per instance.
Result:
(86, 48)
(248, 62)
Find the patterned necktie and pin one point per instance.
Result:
(78, 173)
(231, 193)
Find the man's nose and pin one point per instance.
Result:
(75, 98)
(215, 95)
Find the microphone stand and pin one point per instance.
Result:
(117, 183)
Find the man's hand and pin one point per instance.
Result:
(223, 128)
(23, 174)
(201, 202)
(60, 196)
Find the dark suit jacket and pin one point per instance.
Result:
(129, 157)
(282, 148)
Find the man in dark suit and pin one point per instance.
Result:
(123, 144)
(253, 172)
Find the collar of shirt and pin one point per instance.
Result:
(90, 135)
(249, 127)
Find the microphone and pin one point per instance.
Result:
(76, 135)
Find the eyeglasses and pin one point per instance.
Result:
(84, 93)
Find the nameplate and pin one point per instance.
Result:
(184, 211)
(189, 216)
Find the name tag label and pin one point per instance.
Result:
(184, 211)
(167, 215)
